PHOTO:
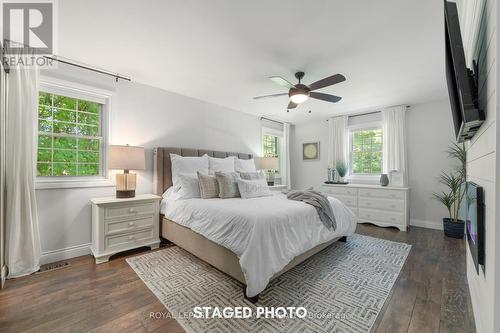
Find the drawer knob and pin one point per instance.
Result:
(131, 210)
(131, 224)
(368, 215)
(393, 206)
(393, 219)
(131, 237)
(369, 203)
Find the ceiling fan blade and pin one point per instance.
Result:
(291, 105)
(325, 97)
(327, 81)
(272, 95)
(281, 81)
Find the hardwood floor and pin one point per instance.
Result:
(431, 294)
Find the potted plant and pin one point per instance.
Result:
(341, 167)
(452, 197)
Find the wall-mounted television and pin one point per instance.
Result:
(474, 224)
(462, 83)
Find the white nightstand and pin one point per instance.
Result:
(124, 224)
(278, 188)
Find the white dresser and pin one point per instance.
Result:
(124, 224)
(382, 206)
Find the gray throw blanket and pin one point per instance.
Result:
(319, 201)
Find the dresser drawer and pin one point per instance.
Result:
(112, 227)
(386, 217)
(376, 193)
(128, 210)
(341, 190)
(128, 240)
(382, 204)
(350, 201)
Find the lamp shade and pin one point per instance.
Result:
(269, 163)
(126, 158)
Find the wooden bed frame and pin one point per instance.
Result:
(214, 254)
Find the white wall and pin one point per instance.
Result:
(144, 116)
(430, 132)
(479, 29)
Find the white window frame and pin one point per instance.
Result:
(363, 177)
(104, 97)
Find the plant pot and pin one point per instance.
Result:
(453, 229)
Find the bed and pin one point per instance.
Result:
(251, 240)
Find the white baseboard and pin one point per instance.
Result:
(63, 254)
(438, 225)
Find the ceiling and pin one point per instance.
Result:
(222, 51)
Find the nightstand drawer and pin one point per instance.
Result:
(131, 238)
(112, 227)
(128, 210)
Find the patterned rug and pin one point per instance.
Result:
(343, 289)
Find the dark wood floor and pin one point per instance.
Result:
(431, 294)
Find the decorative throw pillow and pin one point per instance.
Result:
(252, 175)
(253, 188)
(244, 165)
(188, 165)
(228, 184)
(220, 164)
(187, 186)
(209, 188)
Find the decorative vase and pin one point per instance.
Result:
(384, 180)
(453, 229)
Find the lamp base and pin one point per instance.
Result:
(125, 193)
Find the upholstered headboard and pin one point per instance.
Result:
(163, 166)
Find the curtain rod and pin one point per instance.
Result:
(88, 67)
(364, 113)
(275, 121)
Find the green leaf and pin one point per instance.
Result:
(65, 143)
(64, 102)
(88, 169)
(64, 169)
(44, 155)
(45, 112)
(88, 119)
(88, 130)
(64, 155)
(88, 156)
(44, 169)
(44, 98)
(88, 144)
(45, 126)
(44, 141)
(65, 115)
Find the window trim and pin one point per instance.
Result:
(274, 132)
(104, 97)
(362, 177)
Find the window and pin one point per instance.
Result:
(69, 136)
(366, 151)
(271, 147)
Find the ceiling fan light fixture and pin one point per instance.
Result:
(299, 98)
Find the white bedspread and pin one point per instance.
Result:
(265, 233)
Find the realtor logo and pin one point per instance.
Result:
(28, 27)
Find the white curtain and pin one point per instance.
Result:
(394, 140)
(287, 177)
(21, 230)
(337, 140)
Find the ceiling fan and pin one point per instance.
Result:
(299, 92)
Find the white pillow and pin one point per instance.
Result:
(188, 186)
(220, 164)
(253, 188)
(188, 164)
(244, 165)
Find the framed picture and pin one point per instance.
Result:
(310, 151)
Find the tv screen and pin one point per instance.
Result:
(475, 223)
(462, 87)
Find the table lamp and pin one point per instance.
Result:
(268, 164)
(126, 158)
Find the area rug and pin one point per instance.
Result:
(342, 288)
